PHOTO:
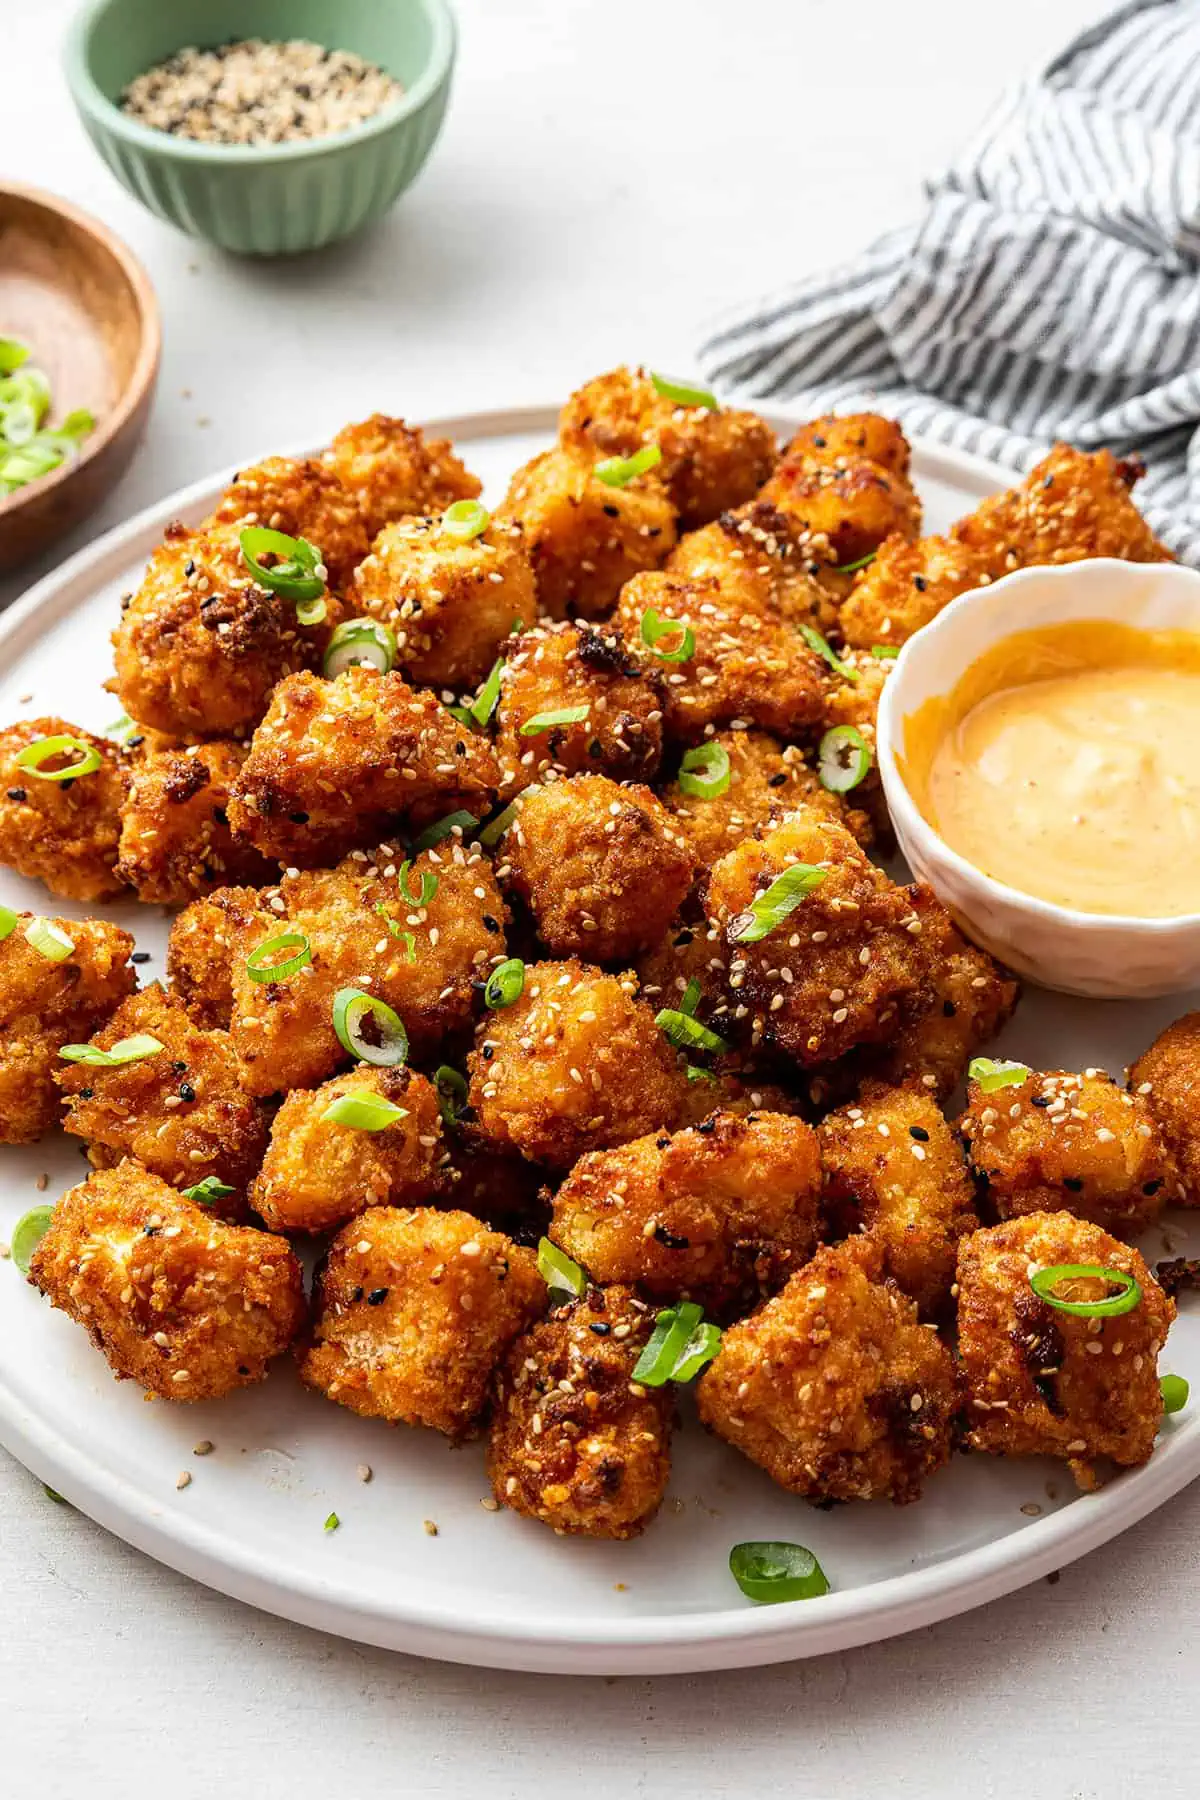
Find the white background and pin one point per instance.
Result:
(612, 172)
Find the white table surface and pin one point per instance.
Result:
(612, 172)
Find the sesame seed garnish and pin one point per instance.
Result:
(183, 1479)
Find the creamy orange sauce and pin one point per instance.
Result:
(1066, 764)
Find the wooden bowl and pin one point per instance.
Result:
(84, 305)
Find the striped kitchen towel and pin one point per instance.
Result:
(1051, 290)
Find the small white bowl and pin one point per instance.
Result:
(1107, 956)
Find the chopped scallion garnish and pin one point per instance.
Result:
(27, 1234)
(361, 643)
(695, 1073)
(885, 652)
(122, 730)
(260, 969)
(126, 1050)
(619, 471)
(679, 1346)
(485, 702)
(1174, 1390)
(332, 1522)
(768, 912)
(1045, 1281)
(505, 984)
(87, 758)
(686, 1033)
(396, 930)
(49, 940)
(495, 828)
(655, 627)
(560, 1274)
(8, 922)
(546, 721)
(691, 998)
(843, 759)
(704, 772)
(428, 888)
(383, 1042)
(853, 568)
(451, 1092)
(769, 1572)
(443, 828)
(825, 650)
(208, 1191)
(311, 612)
(683, 393)
(293, 575)
(363, 1112)
(465, 520)
(990, 1075)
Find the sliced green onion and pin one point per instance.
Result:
(8, 922)
(505, 984)
(126, 1050)
(1174, 1390)
(12, 355)
(396, 930)
(560, 1274)
(461, 713)
(695, 1073)
(294, 575)
(854, 567)
(991, 1075)
(698, 1352)
(824, 648)
(655, 627)
(351, 1009)
(686, 1033)
(619, 471)
(683, 393)
(332, 1522)
(1045, 1281)
(885, 652)
(122, 729)
(28, 388)
(769, 1572)
(27, 1234)
(87, 758)
(34, 459)
(312, 612)
(76, 425)
(429, 885)
(44, 936)
(52, 1495)
(442, 828)
(546, 721)
(451, 1092)
(363, 1112)
(704, 772)
(843, 759)
(208, 1191)
(495, 828)
(259, 969)
(679, 1346)
(465, 520)
(691, 998)
(360, 643)
(485, 702)
(767, 913)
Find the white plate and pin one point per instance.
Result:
(491, 1588)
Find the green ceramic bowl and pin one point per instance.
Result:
(279, 198)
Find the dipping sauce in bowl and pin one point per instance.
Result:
(1065, 763)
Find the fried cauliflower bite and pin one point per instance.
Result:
(833, 1387)
(601, 867)
(335, 765)
(838, 970)
(451, 604)
(844, 500)
(762, 558)
(766, 780)
(44, 1005)
(851, 437)
(712, 457)
(721, 1214)
(1070, 1143)
(905, 587)
(565, 667)
(412, 1311)
(746, 667)
(574, 1440)
(1043, 1382)
(586, 539)
(575, 1064)
(1167, 1078)
(358, 925)
(200, 645)
(1072, 506)
(205, 940)
(187, 1306)
(183, 1112)
(176, 841)
(303, 499)
(390, 469)
(894, 1169)
(63, 833)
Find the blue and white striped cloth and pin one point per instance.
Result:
(1052, 289)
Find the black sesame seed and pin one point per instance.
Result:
(357, 1294)
(18, 794)
(140, 956)
(152, 1231)
(490, 924)
(920, 583)
(600, 1328)
(706, 1126)
(186, 1091)
(377, 1296)
(919, 1132)
(1151, 1187)
(1040, 1100)
(298, 818)
(1073, 1182)
(86, 1093)
(612, 512)
(669, 1240)
(179, 1068)
(777, 780)
(662, 1143)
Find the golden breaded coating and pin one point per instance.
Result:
(762, 558)
(725, 1090)
(64, 833)
(833, 1387)
(391, 469)
(183, 1112)
(335, 765)
(965, 998)
(303, 499)
(175, 1299)
(575, 1441)
(690, 950)
(1167, 1078)
(563, 668)
(747, 667)
(721, 1214)
(200, 645)
(586, 539)
(176, 840)
(1058, 1142)
(362, 932)
(412, 1311)
(1072, 506)
(712, 457)
(44, 1005)
(851, 437)
(205, 942)
(848, 501)
(837, 970)
(906, 586)
(318, 1173)
(575, 1064)
(1043, 1382)
(766, 780)
(601, 867)
(894, 1169)
(451, 604)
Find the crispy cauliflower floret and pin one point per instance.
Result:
(833, 1387)
(1167, 1078)
(64, 833)
(1043, 1382)
(391, 469)
(1072, 506)
(846, 499)
(303, 499)
(412, 1312)
(206, 939)
(175, 835)
(905, 587)
(850, 437)
(575, 1441)
(44, 1005)
(761, 559)
(187, 1306)
(766, 781)
(336, 764)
